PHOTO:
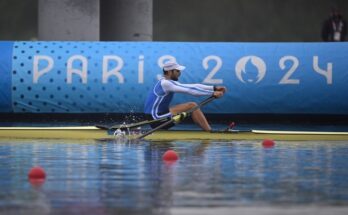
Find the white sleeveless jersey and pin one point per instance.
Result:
(158, 100)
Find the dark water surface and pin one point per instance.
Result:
(113, 177)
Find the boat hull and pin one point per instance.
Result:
(91, 132)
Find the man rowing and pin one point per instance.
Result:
(158, 101)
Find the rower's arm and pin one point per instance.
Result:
(202, 86)
(193, 89)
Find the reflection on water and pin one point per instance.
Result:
(112, 177)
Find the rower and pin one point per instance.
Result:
(157, 104)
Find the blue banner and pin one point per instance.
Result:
(115, 77)
(5, 76)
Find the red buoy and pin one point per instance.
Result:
(268, 143)
(37, 173)
(170, 155)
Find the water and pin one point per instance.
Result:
(238, 177)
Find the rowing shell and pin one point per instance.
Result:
(92, 132)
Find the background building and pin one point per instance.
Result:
(166, 20)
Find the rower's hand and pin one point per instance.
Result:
(218, 94)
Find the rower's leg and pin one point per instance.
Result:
(199, 118)
(197, 115)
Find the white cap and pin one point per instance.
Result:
(171, 65)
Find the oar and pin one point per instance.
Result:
(136, 124)
(132, 125)
(177, 118)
